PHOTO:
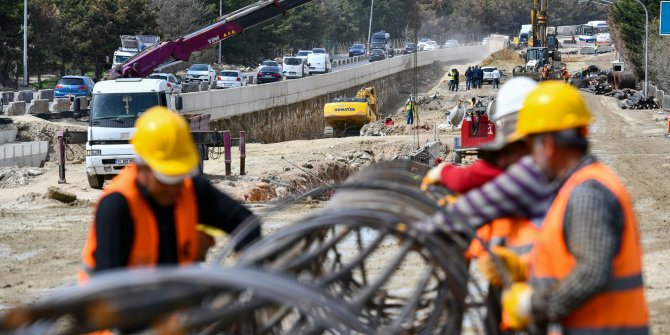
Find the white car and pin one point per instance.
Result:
(318, 63)
(173, 83)
(201, 72)
(488, 74)
(451, 44)
(231, 78)
(303, 54)
(295, 67)
(430, 46)
(422, 44)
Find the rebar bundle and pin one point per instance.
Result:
(357, 266)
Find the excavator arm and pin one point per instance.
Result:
(180, 49)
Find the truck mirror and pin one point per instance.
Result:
(178, 103)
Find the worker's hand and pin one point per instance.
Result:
(516, 306)
(511, 262)
(206, 235)
(433, 177)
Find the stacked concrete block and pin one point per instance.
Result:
(194, 86)
(586, 51)
(204, 86)
(8, 133)
(38, 106)
(60, 105)
(83, 103)
(185, 88)
(666, 102)
(24, 153)
(26, 96)
(16, 108)
(45, 94)
(7, 97)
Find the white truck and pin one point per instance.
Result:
(115, 106)
(131, 45)
(319, 63)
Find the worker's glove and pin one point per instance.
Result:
(510, 261)
(516, 306)
(433, 177)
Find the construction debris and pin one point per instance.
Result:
(60, 195)
(633, 99)
(12, 176)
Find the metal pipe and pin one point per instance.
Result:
(227, 151)
(60, 136)
(243, 151)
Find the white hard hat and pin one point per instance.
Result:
(511, 96)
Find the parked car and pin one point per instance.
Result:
(451, 44)
(231, 78)
(74, 86)
(409, 48)
(488, 74)
(430, 46)
(295, 67)
(422, 43)
(303, 53)
(357, 50)
(377, 54)
(201, 72)
(268, 74)
(173, 83)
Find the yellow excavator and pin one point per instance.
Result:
(542, 45)
(346, 116)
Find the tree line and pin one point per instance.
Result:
(80, 36)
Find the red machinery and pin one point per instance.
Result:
(476, 130)
(180, 49)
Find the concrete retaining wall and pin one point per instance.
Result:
(661, 98)
(24, 153)
(226, 103)
(8, 133)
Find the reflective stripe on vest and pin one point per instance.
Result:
(517, 235)
(620, 308)
(144, 251)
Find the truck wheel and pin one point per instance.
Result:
(95, 181)
(458, 157)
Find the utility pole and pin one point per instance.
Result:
(25, 42)
(220, 15)
(370, 26)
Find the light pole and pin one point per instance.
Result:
(220, 14)
(646, 40)
(372, 4)
(25, 42)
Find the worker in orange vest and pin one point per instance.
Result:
(585, 270)
(545, 73)
(149, 214)
(565, 74)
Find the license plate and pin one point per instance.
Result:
(267, 76)
(123, 161)
(291, 73)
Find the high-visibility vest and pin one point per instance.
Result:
(450, 76)
(620, 308)
(565, 74)
(516, 234)
(146, 242)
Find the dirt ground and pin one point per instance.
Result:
(41, 239)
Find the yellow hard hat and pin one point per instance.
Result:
(164, 142)
(552, 106)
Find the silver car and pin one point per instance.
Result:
(231, 78)
(201, 72)
(173, 83)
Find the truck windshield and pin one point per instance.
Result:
(292, 61)
(121, 59)
(122, 105)
(378, 40)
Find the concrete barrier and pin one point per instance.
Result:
(38, 106)
(24, 153)
(26, 96)
(16, 108)
(666, 101)
(204, 86)
(8, 133)
(226, 103)
(586, 51)
(45, 94)
(193, 86)
(7, 97)
(60, 105)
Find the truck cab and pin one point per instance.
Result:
(115, 106)
(382, 40)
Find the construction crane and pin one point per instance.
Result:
(180, 50)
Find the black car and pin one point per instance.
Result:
(357, 50)
(409, 48)
(268, 74)
(377, 54)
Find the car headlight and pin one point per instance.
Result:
(94, 152)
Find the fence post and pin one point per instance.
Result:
(60, 136)
(243, 151)
(226, 148)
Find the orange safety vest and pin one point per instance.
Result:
(566, 74)
(144, 251)
(517, 234)
(620, 309)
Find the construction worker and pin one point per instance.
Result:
(468, 78)
(450, 78)
(410, 108)
(457, 76)
(149, 213)
(565, 74)
(595, 49)
(585, 270)
(545, 73)
(516, 233)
